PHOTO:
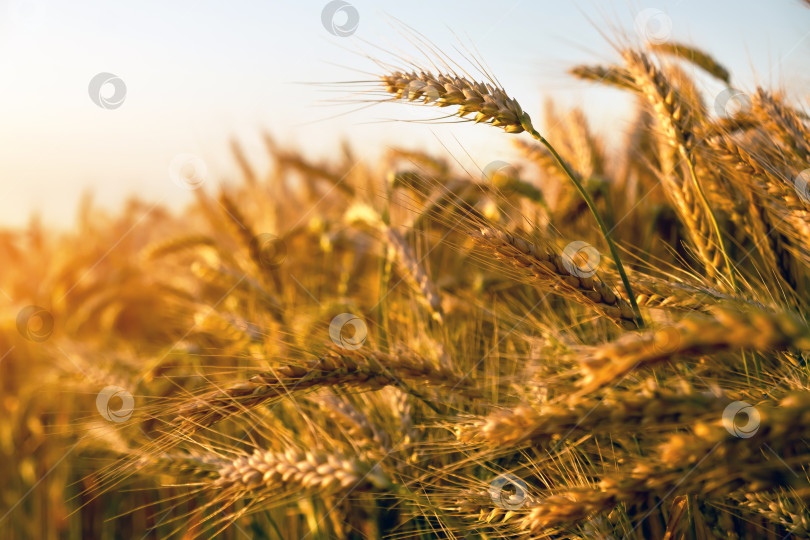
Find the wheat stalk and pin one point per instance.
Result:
(618, 411)
(547, 269)
(269, 473)
(789, 511)
(696, 56)
(675, 117)
(370, 370)
(492, 105)
(728, 330)
(489, 103)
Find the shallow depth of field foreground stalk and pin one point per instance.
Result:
(493, 106)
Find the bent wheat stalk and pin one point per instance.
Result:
(728, 330)
(548, 269)
(619, 411)
(369, 370)
(700, 58)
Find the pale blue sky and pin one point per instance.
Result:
(199, 72)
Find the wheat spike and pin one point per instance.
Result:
(272, 473)
(489, 103)
(370, 370)
(696, 56)
(728, 330)
(547, 270)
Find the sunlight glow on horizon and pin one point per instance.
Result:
(198, 74)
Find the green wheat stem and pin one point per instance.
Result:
(614, 252)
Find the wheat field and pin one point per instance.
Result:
(579, 344)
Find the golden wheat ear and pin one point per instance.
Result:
(698, 57)
(490, 104)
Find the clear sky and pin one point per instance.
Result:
(199, 72)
